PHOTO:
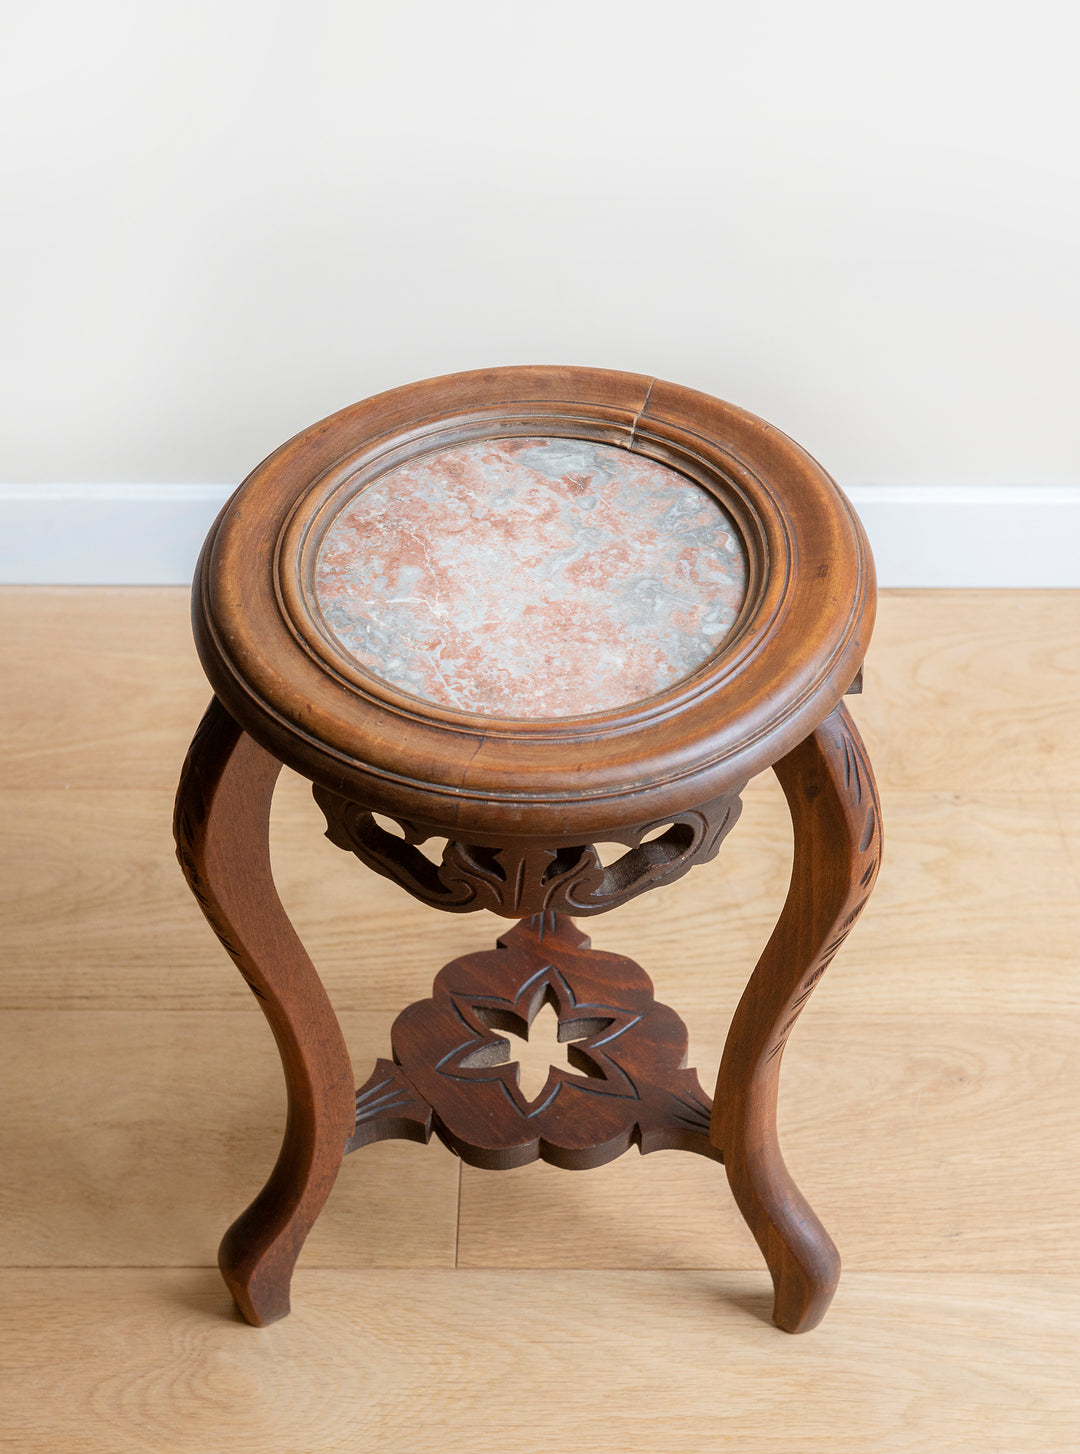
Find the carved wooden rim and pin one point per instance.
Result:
(793, 651)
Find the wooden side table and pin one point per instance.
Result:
(528, 611)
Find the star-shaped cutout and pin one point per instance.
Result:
(593, 1030)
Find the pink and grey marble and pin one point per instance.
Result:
(531, 577)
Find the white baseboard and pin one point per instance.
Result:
(972, 535)
(922, 535)
(104, 535)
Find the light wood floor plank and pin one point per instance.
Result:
(602, 1363)
(102, 688)
(920, 1143)
(134, 1138)
(928, 1101)
(974, 691)
(978, 904)
(1067, 806)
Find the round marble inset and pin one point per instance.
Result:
(531, 577)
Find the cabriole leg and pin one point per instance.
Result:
(836, 818)
(222, 834)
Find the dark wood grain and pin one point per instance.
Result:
(525, 877)
(631, 1085)
(836, 817)
(222, 827)
(389, 1108)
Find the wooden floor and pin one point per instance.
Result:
(929, 1103)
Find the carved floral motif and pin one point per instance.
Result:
(453, 1069)
(518, 879)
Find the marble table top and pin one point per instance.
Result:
(531, 578)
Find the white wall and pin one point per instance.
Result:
(857, 218)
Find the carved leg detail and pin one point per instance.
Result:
(222, 834)
(837, 826)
